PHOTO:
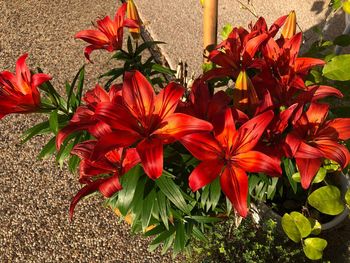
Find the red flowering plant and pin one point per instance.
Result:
(175, 160)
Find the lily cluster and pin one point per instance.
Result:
(265, 114)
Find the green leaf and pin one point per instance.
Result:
(53, 120)
(226, 30)
(147, 208)
(338, 68)
(129, 183)
(80, 85)
(179, 243)
(347, 197)
(205, 219)
(197, 233)
(73, 163)
(336, 4)
(161, 69)
(296, 226)
(167, 243)
(129, 45)
(296, 177)
(290, 170)
(43, 127)
(215, 193)
(161, 237)
(155, 231)
(172, 191)
(113, 72)
(207, 66)
(346, 7)
(162, 206)
(313, 247)
(146, 45)
(48, 149)
(316, 226)
(321, 174)
(342, 40)
(327, 200)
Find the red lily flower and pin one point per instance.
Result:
(109, 33)
(19, 92)
(229, 154)
(146, 119)
(84, 117)
(115, 163)
(313, 139)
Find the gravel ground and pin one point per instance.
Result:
(35, 195)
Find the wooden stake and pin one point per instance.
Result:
(210, 24)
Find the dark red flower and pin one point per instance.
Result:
(19, 92)
(314, 139)
(229, 154)
(103, 174)
(146, 119)
(109, 33)
(84, 117)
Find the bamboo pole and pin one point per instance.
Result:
(210, 24)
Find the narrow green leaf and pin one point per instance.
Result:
(43, 127)
(116, 72)
(215, 193)
(155, 231)
(147, 208)
(161, 69)
(204, 196)
(289, 170)
(167, 243)
(313, 247)
(205, 219)
(179, 243)
(129, 183)
(53, 121)
(162, 206)
(197, 233)
(161, 237)
(129, 45)
(80, 86)
(48, 149)
(226, 30)
(73, 163)
(146, 45)
(327, 199)
(172, 191)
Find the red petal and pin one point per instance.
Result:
(94, 37)
(276, 25)
(40, 78)
(225, 129)
(96, 95)
(257, 162)
(219, 73)
(317, 113)
(341, 126)
(218, 103)
(307, 151)
(117, 116)
(234, 183)
(166, 101)
(86, 190)
(251, 131)
(205, 173)
(151, 154)
(138, 95)
(110, 186)
(222, 59)
(308, 169)
(112, 141)
(334, 151)
(303, 64)
(84, 149)
(203, 146)
(253, 44)
(131, 159)
(179, 124)
(293, 141)
(271, 50)
(22, 70)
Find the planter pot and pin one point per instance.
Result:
(261, 212)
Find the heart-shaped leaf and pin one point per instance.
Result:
(338, 68)
(327, 200)
(296, 226)
(316, 226)
(347, 197)
(313, 247)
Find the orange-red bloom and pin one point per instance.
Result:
(229, 154)
(146, 119)
(109, 33)
(19, 92)
(313, 139)
(115, 164)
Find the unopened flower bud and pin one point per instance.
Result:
(133, 14)
(289, 28)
